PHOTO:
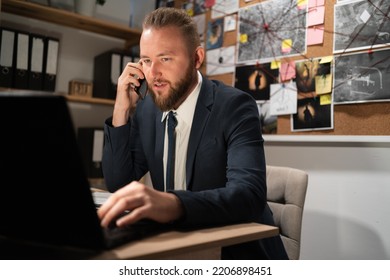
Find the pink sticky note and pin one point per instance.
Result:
(316, 3)
(315, 35)
(287, 71)
(316, 16)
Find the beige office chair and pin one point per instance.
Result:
(286, 197)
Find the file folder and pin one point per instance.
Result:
(36, 61)
(125, 60)
(50, 63)
(115, 70)
(90, 141)
(22, 71)
(7, 46)
(107, 69)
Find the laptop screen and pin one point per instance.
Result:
(45, 192)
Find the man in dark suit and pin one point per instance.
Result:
(219, 164)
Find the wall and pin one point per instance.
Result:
(139, 10)
(346, 214)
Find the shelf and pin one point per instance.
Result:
(71, 98)
(90, 100)
(70, 19)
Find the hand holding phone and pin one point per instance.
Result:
(142, 89)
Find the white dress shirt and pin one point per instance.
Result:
(184, 115)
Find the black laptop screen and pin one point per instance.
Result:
(42, 174)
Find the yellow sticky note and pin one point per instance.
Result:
(323, 84)
(326, 99)
(275, 64)
(301, 4)
(286, 45)
(243, 38)
(326, 59)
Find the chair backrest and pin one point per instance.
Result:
(286, 197)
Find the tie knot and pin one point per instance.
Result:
(172, 121)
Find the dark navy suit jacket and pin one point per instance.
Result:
(225, 168)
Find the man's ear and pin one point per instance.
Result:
(199, 57)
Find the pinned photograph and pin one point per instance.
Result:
(220, 61)
(256, 79)
(313, 77)
(362, 77)
(269, 122)
(200, 22)
(214, 34)
(312, 115)
(361, 25)
(283, 98)
(271, 29)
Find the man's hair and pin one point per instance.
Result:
(166, 17)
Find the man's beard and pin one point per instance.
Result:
(176, 92)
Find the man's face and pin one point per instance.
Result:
(168, 66)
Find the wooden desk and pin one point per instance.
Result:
(201, 244)
(197, 244)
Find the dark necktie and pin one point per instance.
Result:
(172, 122)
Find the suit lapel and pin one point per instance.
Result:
(201, 115)
(159, 144)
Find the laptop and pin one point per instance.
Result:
(45, 194)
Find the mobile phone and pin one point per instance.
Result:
(142, 89)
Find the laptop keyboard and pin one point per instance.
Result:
(116, 236)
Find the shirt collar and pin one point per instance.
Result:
(188, 103)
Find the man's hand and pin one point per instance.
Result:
(142, 202)
(126, 97)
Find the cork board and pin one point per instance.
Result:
(348, 119)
